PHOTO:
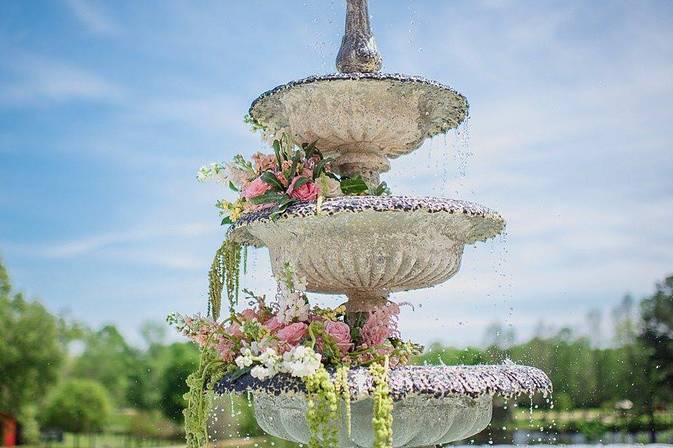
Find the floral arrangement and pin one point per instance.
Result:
(290, 336)
(276, 181)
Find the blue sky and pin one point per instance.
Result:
(107, 109)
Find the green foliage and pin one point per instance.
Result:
(79, 406)
(108, 359)
(31, 352)
(182, 360)
(353, 186)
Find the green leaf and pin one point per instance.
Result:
(232, 186)
(301, 181)
(320, 167)
(239, 373)
(380, 190)
(269, 196)
(269, 178)
(353, 186)
(293, 171)
(226, 220)
(276, 150)
(281, 207)
(310, 150)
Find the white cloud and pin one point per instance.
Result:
(89, 244)
(90, 14)
(40, 81)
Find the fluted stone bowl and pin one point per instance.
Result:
(361, 119)
(370, 245)
(431, 404)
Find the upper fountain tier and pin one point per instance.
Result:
(360, 117)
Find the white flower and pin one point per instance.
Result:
(291, 305)
(270, 358)
(245, 359)
(261, 372)
(214, 171)
(301, 361)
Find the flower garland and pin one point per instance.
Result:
(279, 180)
(289, 336)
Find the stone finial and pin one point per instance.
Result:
(358, 52)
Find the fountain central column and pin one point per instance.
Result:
(358, 52)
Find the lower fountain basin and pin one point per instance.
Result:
(417, 421)
(368, 245)
(432, 404)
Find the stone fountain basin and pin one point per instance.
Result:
(350, 115)
(370, 245)
(432, 404)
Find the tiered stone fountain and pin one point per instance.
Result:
(367, 247)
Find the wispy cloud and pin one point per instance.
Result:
(88, 244)
(39, 81)
(92, 16)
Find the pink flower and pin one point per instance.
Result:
(234, 330)
(293, 333)
(256, 188)
(273, 324)
(341, 333)
(264, 162)
(380, 325)
(306, 192)
(226, 349)
(311, 162)
(281, 178)
(249, 314)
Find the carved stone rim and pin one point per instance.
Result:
(370, 204)
(371, 77)
(508, 380)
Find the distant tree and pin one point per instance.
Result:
(31, 354)
(78, 406)
(108, 359)
(656, 340)
(181, 360)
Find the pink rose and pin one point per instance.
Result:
(306, 192)
(273, 324)
(341, 333)
(293, 333)
(256, 188)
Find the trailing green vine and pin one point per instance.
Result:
(322, 413)
(344, 392)
(199, 397)
(382, 420)
(225, 274)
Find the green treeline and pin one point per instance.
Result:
(56, 373)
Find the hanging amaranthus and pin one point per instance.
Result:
(225, 273)
(382, 420)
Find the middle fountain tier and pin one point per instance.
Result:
(369, 246)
